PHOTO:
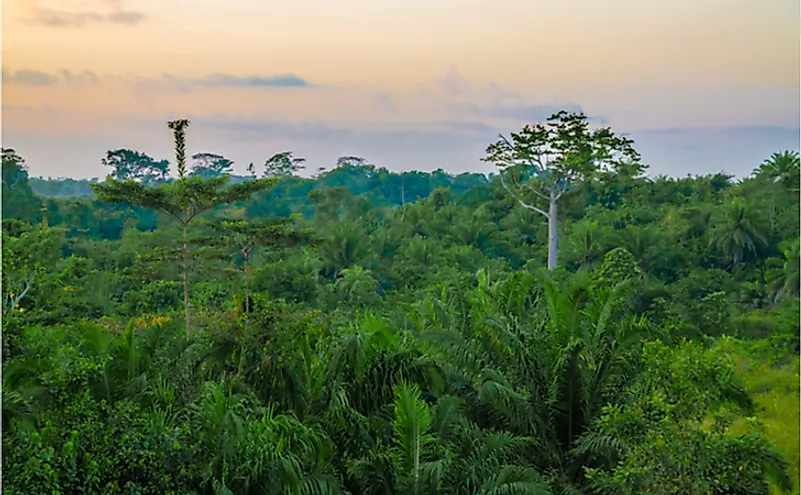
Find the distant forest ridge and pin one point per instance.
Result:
(416, 184)
(360, 179)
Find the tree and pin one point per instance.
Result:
(739, 229)
(357, 286)
(345, 245)
(548, 161)
(672, 435)
(15, 173)
(587, 243)
(246, 237)
(618, 266)
(27, 257)
(784, 168)
(283, 165)
(209, 165)
(783, 277)
(133, 165)
(18, 199)
(352, 161)
(543, 367)
(183, 199)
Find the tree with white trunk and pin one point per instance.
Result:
(543, 163)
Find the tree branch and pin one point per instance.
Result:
(18, 298)
(522, 203)
(533, 161)
(536, 192)
(561, 190)
(168, 212)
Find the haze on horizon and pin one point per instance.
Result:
(701, 87)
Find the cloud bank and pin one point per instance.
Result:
(64, 14)
(64, 121)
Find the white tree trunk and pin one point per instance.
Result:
(551, 215)
(553, 234)
(186, 279)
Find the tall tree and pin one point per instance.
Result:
(133, 165)
(18, 198)
(283, 165)
(209, 165)
(183, 199)
(352, 161)
(545, 162)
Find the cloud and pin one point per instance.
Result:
(256, 129)
(126, 17)
(386, 102)
(457, 87)
(254, 81)
(42, 111)
(259, 128)
(454, 83)
(55, 18)
(84, 76)
(28, 78)
(446, 124)
(94, 11)
(169, 82)
(490, 101)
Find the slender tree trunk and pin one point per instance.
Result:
(186, 279)
(553, 234)
(247, 310)
(247, 289)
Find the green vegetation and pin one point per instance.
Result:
(367, 332)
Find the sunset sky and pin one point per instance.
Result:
(700, 85)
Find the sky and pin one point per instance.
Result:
(701, 86)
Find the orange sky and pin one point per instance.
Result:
(411, 85)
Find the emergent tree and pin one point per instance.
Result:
(130, 164)
(545, 162)
(183, 199)
(283, 165)
(209, 165)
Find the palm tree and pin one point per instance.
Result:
(544, 370)
(585, 244)
(653, 248)
(477, 230)
(357, 286)
(345, 246)
(439, 450)
(784, 280)
(253, 450)
(739, 230)
(782, 168)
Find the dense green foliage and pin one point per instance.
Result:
(367, 332)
